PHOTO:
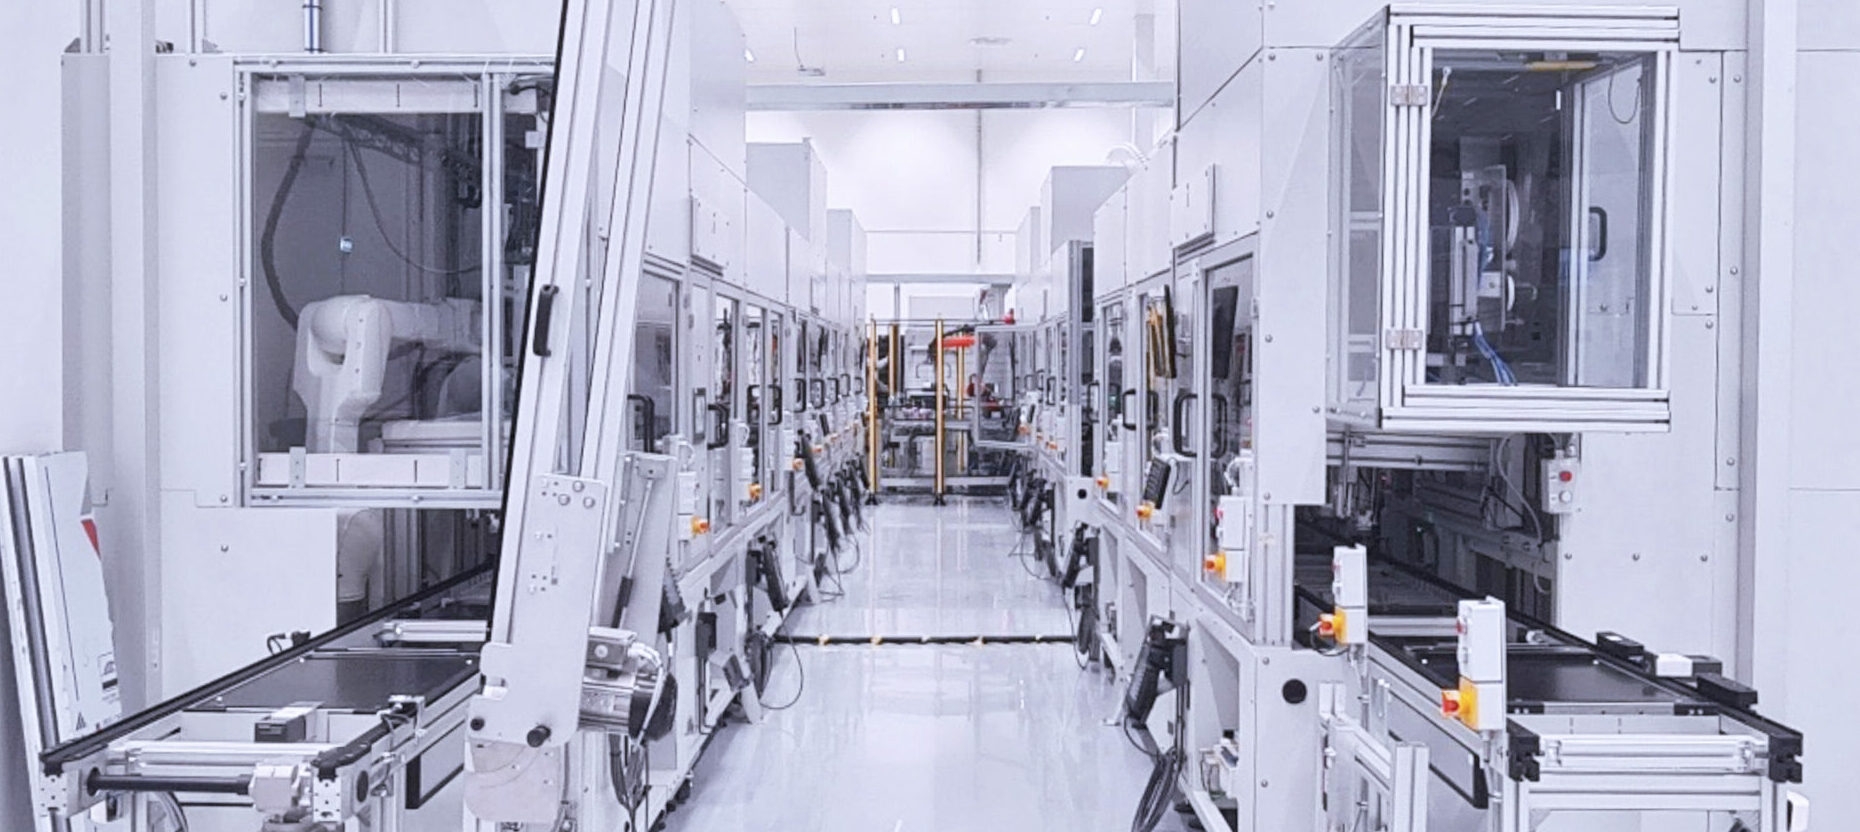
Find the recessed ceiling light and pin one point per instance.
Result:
(990, 40)
(749, 56)
(900, 54)
(1097, 14)
(895, 17)
(1079, 55)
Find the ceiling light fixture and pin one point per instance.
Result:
(895, 17)
(900, 54)
(1097, 14)
(1079, 55)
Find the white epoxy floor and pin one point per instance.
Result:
(911, 738)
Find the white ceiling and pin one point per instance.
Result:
(855, 40)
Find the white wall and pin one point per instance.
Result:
(32, 337)
(922, 188)
(1807, 686)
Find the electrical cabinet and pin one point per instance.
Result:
(1499, 215)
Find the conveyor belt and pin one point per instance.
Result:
(355, 682)
(437, 602)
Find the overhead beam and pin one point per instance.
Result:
(960, 96)
(988, 279)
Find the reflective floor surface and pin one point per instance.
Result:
(910, 738)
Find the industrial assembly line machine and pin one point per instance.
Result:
(1397, 364)
(395, 275)
(1347, 417)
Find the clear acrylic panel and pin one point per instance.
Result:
(654, 362)
(1359, 85)
(1539, 214)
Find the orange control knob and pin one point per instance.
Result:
(1327, 625)
(755, 491)
(1145, 509)
(1450, 704)
(700, 525)
(795, 464)
(1215, 563)
(1104, 481)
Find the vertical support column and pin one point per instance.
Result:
(962, 401)
(1764, 548)
(871, 413)
(895, 370)
(131, 521)
(936, 359)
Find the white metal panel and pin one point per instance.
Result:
(668, 230)
(1811, 693)
(367, 95)
(1291, 339)
(1217, 38)
(718, 198)
(1829, 24)
(791, 178)
(1110, 227)
(1733, 271)
(267, 570)
(1148, 247)
(800, 271)
(767, 250)
(198, 257)
(1706, 24)
(1069, 197)
(464, 26)
(1826, 297)
(1226, 134)
(1649, 523)
(1695, 159)
(717, 105)
(1028, 246)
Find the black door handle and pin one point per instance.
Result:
(719, 425)
(1220, 425)
(1124, 409)
(1601, 233)
(545, 318)
(648, 421)
(1178, 437)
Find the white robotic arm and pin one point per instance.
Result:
(342, 355)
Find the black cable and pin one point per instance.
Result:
(172, 805)
(267, 240)
(800, 676)
(374, 209)
(1128, 737)
(1159, 792)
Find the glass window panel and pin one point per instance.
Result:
(1538, 210)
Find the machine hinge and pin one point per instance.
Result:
(1402, 339)
(1408, 95)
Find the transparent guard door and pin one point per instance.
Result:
(1359, 87)
(1610, 260)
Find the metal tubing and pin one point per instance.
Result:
(313, 26)
(182, 783)
(936, 357)
(871, 412)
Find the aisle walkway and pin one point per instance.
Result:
(907, 738)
